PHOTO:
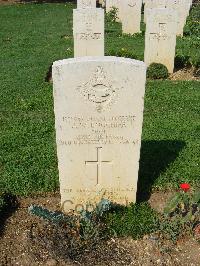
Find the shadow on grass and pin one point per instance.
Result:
(9, 207)
(156, 156)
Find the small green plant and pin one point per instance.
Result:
(192, 26)
(181, 61)
(112, 15)
(157, 71)
(184, 203)
(87, 224)
(135, 220)
(196, 61)
(181, 214)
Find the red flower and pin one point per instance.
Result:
(185, 187)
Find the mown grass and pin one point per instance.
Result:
(171, 135)
(31, 38)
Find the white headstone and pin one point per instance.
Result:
(131, 16)
(115, 4)
(98, 104)
(160, 37)
(88, 31)
(102, 2)
(86, 3)
(182, 8)
(149, 4)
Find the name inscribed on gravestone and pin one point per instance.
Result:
(98, 128)
(88, 31)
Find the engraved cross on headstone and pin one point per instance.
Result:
(98, 164)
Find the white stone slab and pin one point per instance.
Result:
(182, 8)
(102, 2)
(88, 31)
(131, 16)
(86, 3)
(160, 37)
(98, 104)
(149, 4)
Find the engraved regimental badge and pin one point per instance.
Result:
(99, 91)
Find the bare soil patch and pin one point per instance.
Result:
(27, 240)
(186, 74)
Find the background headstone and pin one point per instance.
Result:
(86, 3)
(117, 4)
(88, 31)
(98, 104)
(131, 16)
(149, 4)
(160, 37)
(182, 9)
(102, 2)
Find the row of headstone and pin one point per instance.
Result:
(129, 12)
(163, 23)
(164, 20)
(98, 104)
(182, 8)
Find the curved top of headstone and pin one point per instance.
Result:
(99, 59)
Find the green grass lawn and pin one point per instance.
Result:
(31, 38)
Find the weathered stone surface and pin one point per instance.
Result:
(131, 16)
(102, 2)
(86, 3)
(98, 104)
(149, 4)
(88, 31)
(160, 37)
(182, 8)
